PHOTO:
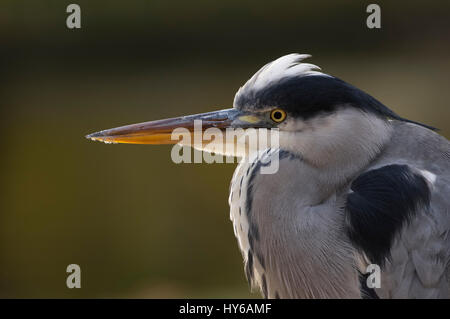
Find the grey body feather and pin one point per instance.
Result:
(304, 251)
(420, 263)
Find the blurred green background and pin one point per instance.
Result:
(138, 224)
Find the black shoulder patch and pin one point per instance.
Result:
(382, 201)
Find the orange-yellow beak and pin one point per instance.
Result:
(160, 132)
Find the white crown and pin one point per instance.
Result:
(287, 66)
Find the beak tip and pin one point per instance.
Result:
(98, 137)
(92, 136)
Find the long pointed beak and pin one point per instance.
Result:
(160, 132)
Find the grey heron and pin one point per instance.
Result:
(356, 185)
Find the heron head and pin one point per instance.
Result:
(315, 114)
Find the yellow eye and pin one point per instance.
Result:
(278, 115)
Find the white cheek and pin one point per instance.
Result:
(292, 125)
(243, 143)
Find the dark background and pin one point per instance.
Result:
(138, 224)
